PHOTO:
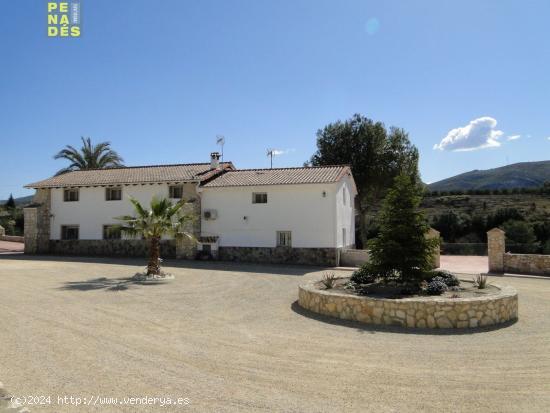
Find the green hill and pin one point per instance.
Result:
(24, 200)
(518, 175)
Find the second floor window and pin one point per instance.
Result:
(113, 194)
(176, 191)
(70, 195)
(259, 198)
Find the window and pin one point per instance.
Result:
(70, 195)
(259, 198)
(344, 238)
(69, 232)
(113, 194)
(284, 238)
(176, 191)
(344, 195)
(111, 232)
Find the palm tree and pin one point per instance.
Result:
(90, 156)
(151, 224)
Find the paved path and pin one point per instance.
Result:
(10, 247)
(465, 264)
(231, 339)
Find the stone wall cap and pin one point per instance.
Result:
(495, 230)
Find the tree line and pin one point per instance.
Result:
(541, 190)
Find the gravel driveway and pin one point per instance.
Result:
(230, 338)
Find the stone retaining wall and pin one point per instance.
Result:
(353, 258)
(527, 264)
(110, 248)
(12, 238)
(417, 312)
(327, 257)
(501, 262)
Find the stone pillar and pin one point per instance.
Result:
(496, 243)
(30, 230)
(2, 231)
(37, 223)
(436, 255)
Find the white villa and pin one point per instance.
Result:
(282, 215)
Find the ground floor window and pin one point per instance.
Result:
(111, 232)
(284, 238)
(69, 232)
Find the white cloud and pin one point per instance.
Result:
(514, 137)
(277, 152)
(478, 134)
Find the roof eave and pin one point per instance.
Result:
(37, 186)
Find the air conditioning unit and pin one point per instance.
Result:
(210, 214)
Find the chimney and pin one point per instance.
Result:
(214, 160)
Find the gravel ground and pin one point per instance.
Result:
(231, 338)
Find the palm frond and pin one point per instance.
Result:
(142, 212)
(162, 218)
(90, 156)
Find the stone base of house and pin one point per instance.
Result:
(326, 257)
(110, 248)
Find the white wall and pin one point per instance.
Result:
(301, 209)
(315, 221)
(345, 212)
(92, 211)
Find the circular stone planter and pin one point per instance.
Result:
(414, 312)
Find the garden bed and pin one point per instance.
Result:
(467, 289)
(466, 307)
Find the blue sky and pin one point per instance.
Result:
(161, 79)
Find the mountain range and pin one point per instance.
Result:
(518, 175)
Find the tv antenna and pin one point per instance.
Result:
(220, 140)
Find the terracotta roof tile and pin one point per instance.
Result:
(279, 176)
(131, 175)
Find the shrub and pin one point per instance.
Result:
(436, 287)
(364, 275)
(447, 277)
(480, 281)
(519, 231)
(329, 279)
